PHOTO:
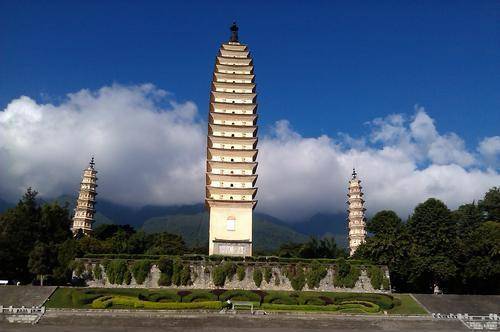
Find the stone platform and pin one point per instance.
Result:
(27, 296)
(471, 304)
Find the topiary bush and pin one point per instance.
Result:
(376, 276)
(140, 270)
(165, 265)
(345, 274)
(268, 273)
(240, 295)
(176, 272)
(115, 271)
(315, 274)
(257, 276)
(185, 275)
(97, 272)
(240, 272)
(219, 276)
(127, 277)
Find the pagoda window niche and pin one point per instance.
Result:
(231, 223)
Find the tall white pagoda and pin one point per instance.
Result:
(85, 204)
(356, 218)
(232, 150)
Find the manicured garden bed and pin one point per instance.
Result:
(172, 299)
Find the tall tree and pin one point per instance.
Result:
(490, 205)
(42, 259)
(434, 239)
(388, 245)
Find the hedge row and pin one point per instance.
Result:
(219, 258)
(127, 301)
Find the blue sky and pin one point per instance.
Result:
(94, 73)
(326, 66)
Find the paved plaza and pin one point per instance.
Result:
(146, 322)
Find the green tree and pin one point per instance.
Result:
(41, 260)
(490, 204)
(434, 240)
(389, 245)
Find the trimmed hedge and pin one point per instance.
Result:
(219, 258)
(257, 276)
(127, 301)
(140, 270)
(240, 295)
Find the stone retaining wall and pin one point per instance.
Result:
(202, 273)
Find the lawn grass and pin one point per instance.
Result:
(408, 306)
(333, 302)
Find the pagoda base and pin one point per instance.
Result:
(232, 247)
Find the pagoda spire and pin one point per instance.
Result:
(356, 209)
(234, 33)
(85, 204)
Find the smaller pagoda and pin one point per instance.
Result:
(85, 204)
(356, 210)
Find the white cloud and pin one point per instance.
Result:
(151, 150)
(489, 148)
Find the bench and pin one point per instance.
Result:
(4, 282)
(242, 304)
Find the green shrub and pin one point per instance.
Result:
(79, 298)
(158, 297)
(240, 272)
(346, 275)
(127, 277)
(116, 271)
(219, 276)
(376, 276)
(200, 295)
(365, 306)
(102, 302)
(183, 293)
(385, 283)
(240, 295)
(384, 301)
(185, 275)
(257, 276)
(315, 273)
(270, 306)
(78, 267)
(229, 270)
(176, 272)
(97, 272)
(280, 298)
(140, 270)
(268, 273)
(165, 265)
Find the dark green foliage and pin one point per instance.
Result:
(262, 294)
(183, 293)
(185, 275)
(176, 272)
(229, 270)
(83, 297)
(257, 276)
(296, 276)
(219, 276)
(240, 295)
(490, 204)
(314, 274)
(376, 276)
(97, 272)
(218, 292)
(29, 230)
(140, 270)
(165, 265)
(280, 298)
(127, 277)
(115, 271)
(346, 275)
(241, 272)
(268, 273)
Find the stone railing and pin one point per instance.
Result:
(473, 322)
(22, 315)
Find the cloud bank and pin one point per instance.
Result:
(150, 149)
